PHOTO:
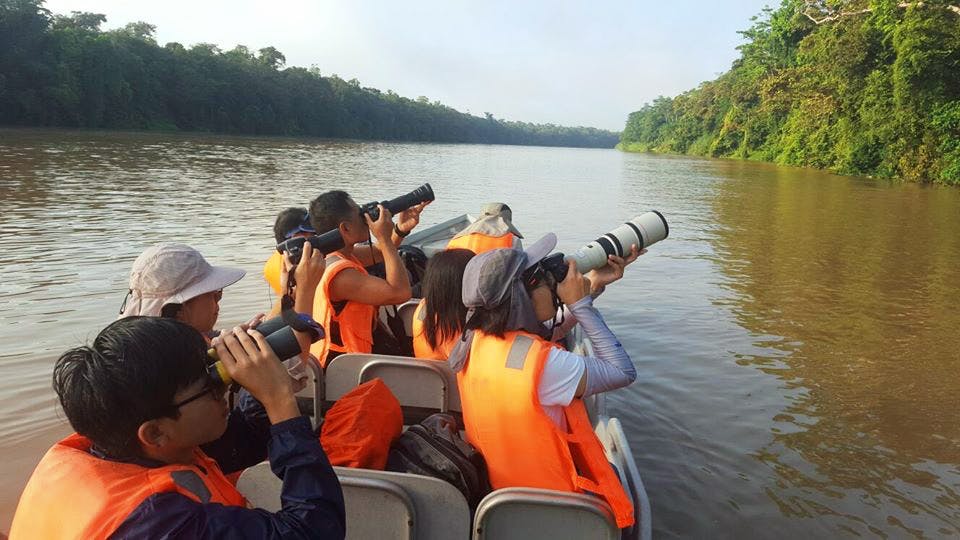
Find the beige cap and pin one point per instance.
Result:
(172, 274)
(496, 219)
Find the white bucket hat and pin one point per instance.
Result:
(172, 274)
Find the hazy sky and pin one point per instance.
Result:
(565, 62)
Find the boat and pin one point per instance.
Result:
(386, 505)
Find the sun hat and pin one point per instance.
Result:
(496, 219)
(493, 278)
(172, 274)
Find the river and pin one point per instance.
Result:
(796, 336)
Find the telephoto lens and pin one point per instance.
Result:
(325, 243)
(423, 193)
(644, 231)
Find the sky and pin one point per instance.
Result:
(571, 63)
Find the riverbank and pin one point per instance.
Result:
(871, 92)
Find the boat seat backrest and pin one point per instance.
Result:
(415, 383)
(313, 391)
(405, 312)
(532, 514)
(379, 504)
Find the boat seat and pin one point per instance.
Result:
(528, 513)
(379, 504)
(426, 384)
(312, 393)
(405, 311)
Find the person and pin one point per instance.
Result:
(142, 404)
(492, 230)
(290, 223)
(522, 394)
(176, 281)
(438, 319)
(347, 298)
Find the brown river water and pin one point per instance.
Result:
(797, 336)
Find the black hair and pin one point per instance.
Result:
(170, 311)
(288, 220)
(492, 322)
(129, 375)
(329, 209)
(442, 286)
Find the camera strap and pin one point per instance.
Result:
(300, 322)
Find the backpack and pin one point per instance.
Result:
(434, 448)
(361, 426)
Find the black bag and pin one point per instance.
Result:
(434, 448)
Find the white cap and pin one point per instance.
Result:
(172, 274)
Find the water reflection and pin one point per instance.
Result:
(859, 281)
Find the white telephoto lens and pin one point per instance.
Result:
(643, 231)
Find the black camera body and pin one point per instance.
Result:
(325, 243)
(423, 193)
(556, 264)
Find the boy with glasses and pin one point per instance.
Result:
(142, 404)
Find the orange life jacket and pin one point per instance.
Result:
(421, 347)
(522, 446)
(355, 321)
(272, 270)
(480, 243)
(74, 494)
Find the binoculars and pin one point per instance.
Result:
(331, 241)
(278, 334)
(644, 231)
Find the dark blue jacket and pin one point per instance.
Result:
(311, 496)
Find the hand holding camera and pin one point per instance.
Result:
(382, 227)
(308, 271)
(408, 219)
(574, 286)
(612, 271)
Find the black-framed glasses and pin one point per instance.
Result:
(214, 389)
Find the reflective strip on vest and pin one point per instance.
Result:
(191, 481)
(518, 352)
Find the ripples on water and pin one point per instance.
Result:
(795, 336)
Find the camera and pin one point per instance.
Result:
(278, 334)
(423, 193)
(644, 231)
(331, 241)
(325, 243)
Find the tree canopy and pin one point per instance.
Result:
(65, 71)
(865, 87)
